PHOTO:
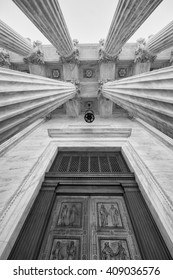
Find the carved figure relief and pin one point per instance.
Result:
(70, 215)
(65, 249)
(108, 215)
(114, 249)
(88, 227)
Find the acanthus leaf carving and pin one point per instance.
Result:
(142, 54)
(37, 56)
(171, 58)
(4, 58)
(74, 56)
(103, 56)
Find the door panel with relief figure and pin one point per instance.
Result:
(89, 227)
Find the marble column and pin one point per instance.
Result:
(48, 18)
(26, 97)
(128, 17)
(162, 40)
(148, 96)
(12, 41)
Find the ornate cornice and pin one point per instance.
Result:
(74, 56)
(4, 57)
(142, 54)
(37, 56)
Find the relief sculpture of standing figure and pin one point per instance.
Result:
(73, 215)
(64, 216)
(114, 215)
(103, 216)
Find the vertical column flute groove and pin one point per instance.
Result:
(12, 41)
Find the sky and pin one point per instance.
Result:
(87, 20)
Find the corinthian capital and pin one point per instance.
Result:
(4, 57)
(74, 57)
(37, 56)
(142, 54)
(103, 56)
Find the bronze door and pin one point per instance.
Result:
(89, 227)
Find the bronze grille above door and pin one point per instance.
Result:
(89, 163)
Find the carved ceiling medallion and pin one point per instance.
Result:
(56, 73)
(122, 72)
(88, 73)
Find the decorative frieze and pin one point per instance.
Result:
(4, 58)
(48, 18)
(162, 40)
(25, 98)
(148, 96)
(128, 17)
(12, 41)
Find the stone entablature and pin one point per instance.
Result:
(89, 52)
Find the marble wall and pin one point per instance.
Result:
(23, 165)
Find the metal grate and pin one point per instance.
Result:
(89, 162)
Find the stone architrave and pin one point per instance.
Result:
(148, 96)
(162, 40)
(128, 17)
(30, 98)
(36, 60)
(48, 18)
(143, 58)
(12, 41)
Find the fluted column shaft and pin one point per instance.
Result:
(24, 98)
(128, 17)
(48, 18)
(12, 41)
(162, 40)
(148, 96)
